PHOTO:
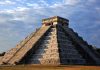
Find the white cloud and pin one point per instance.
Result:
(57, 5)
(21, 8)
(98, 9)
(43, 3)
(29, 4)
(71, 2)
(92, 1)
(6, 2)
(22, 19)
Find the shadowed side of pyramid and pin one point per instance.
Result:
(54, 43)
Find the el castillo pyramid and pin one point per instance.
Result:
(54, 43)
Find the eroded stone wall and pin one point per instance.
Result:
(47, 52)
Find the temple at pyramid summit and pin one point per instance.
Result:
(54, 43)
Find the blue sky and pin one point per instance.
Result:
(19, 18)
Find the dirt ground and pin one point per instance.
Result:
(42, 67)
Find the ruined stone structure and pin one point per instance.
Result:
(53, 43)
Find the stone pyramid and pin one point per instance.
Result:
(54, 43)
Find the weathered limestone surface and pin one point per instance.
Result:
(54, 43)
(16, 54)
(68, 53)
(0, 58)
(48, 52)
(80, 41)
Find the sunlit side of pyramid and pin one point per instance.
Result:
(54, 43)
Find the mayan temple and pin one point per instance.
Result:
(54, 43)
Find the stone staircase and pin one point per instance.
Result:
(16, 54)
(82, 47)
(47, 52)
(67, 51)
(52, 44)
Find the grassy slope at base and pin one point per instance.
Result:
(49, 67)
